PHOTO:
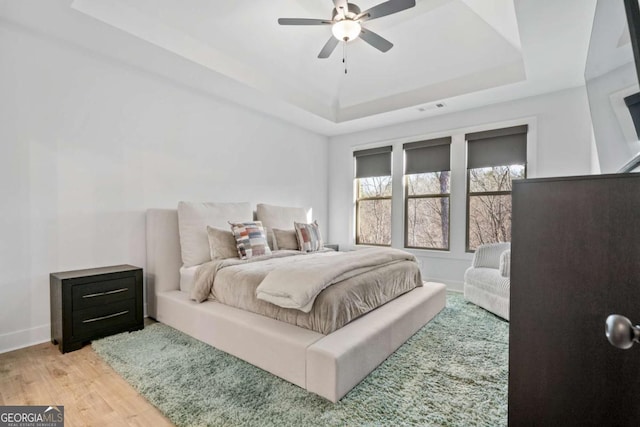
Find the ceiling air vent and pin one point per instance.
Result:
(434, 106)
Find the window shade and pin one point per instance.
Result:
(373, 162)
(498, 147)
(433, 155)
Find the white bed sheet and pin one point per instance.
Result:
(187, 278)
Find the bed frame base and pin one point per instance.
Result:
(328, 365)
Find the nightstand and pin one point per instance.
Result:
(93, 303)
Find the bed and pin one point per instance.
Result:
(328, 365)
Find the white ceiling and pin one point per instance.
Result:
(464, 53)
(610, 46)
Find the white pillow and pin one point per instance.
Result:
(193, 218)
(281, 217)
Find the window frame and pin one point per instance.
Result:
(376, 162)
(359, 199)
(425, 196)
(484, 193)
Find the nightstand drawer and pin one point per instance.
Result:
(105, 292)
(95, 320)
(93, 303)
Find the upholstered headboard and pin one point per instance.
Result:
(163, 254)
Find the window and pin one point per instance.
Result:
(427, 187)
(494, 159)
(373, 196)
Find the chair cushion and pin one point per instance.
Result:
(488, 279)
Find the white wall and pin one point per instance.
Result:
(88, 144)
(615, 136)
(559, 144)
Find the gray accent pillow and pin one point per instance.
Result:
(222, 243)
(285, 239)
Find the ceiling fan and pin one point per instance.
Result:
(347, 22)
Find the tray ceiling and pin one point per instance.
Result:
(462, 53)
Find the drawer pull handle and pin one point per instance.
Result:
(95, 319)
(99, 294)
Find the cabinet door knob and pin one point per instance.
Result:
(620, 331)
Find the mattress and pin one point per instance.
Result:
(187, 278)
(334, 307)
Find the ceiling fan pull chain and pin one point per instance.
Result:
(344, 56)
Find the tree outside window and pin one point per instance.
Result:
(427, 210)
(373, 211)
(373, 196)
(427, 166)
(494, 159)
(489, 204)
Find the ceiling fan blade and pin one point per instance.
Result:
(375, 40)
(303, 21)
(387, 8)
(341, 6)
(328, 48)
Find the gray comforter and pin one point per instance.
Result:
(234, 282)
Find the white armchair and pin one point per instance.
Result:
(487, 282)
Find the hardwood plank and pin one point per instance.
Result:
(91, 392)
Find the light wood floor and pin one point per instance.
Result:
(91, 392)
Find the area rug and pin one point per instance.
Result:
(453, 372)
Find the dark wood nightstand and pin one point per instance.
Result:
(93, 303)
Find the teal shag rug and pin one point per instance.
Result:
(452, 372)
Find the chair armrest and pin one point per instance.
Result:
(505, 263)
(488, 255)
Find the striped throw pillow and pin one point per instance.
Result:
(251, 239)
(309, 237)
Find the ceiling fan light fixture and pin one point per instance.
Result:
(346, 24)
(346, 29)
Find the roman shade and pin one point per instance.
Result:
(433, 155)
(498, 147)
(373, 162)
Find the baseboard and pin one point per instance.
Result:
(25, 338)
(28, 337)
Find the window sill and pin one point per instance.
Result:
(423, 253)
(429, 253)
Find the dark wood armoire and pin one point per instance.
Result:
(575, 260)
